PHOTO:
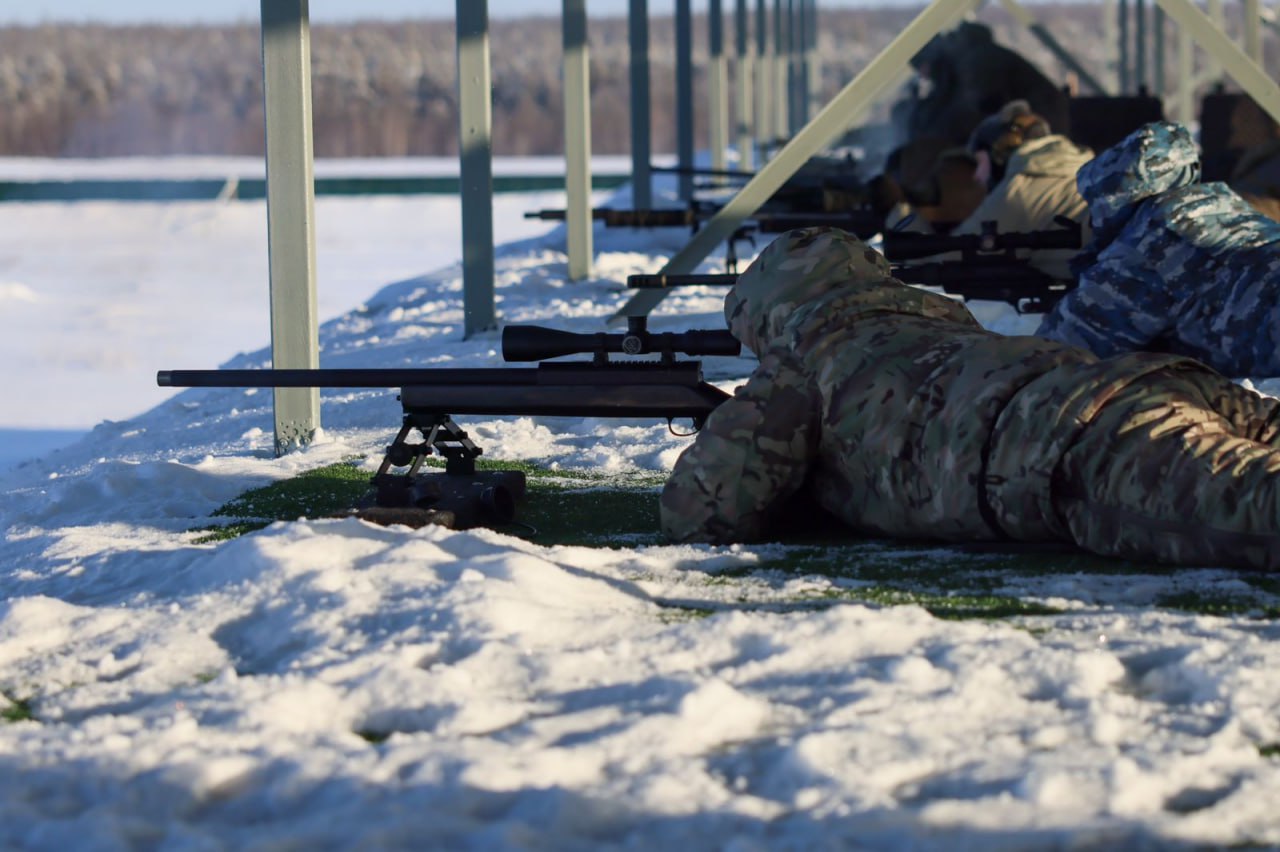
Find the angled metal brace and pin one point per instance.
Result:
(1248, 73)
(825, 127)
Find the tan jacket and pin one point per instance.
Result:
(1039, 184)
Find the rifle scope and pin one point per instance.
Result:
(905, 245)
(537, 343)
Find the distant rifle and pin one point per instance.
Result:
(462, 497)
(698, 171)
(863, 222)
(987, 268)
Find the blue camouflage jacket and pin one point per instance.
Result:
(1174, 265)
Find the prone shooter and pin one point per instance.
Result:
(986, 267)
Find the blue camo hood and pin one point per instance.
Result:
(793, 270)
(1151, 160)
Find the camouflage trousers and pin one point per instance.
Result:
(1183, 466)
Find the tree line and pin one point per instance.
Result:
(389, 88)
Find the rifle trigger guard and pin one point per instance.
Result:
(697, 427)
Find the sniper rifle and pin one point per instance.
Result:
(988, 266)
(986, 269)
(862, 221)
(462, 497)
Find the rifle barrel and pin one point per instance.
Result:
(568, 389)
(350, 378)
(908, 245)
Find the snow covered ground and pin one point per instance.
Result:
(169, 694)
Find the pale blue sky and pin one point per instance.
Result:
(221, 11)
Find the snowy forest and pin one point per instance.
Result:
(388, 88)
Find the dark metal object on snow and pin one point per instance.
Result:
(462, 497)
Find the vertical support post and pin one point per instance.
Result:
(1111, 66)
(1122, 16)
(475, 165)
(717, 84)
(684, 97)
(795, 25)
(764, 81)
(291, 238)
(813, 71)
(1252, 13)
(641, 144)
(782, 75)
(1158, 86)
(577, 139)
(1186, 81)
(1213, 68)
(743, 72)
(1140, 43)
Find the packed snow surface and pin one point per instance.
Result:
(327, 683)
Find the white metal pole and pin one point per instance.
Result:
(641, 139)
(717, 85)
(743, 72)
(291, 236)
(475, 154)
(577, 139)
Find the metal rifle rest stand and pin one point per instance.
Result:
(461, 497)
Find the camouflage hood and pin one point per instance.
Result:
(793, 270)
(1152, 160)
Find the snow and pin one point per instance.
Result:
(512, 694)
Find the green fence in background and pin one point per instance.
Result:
(203, 189)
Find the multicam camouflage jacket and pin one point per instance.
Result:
(1174, 265)
(900, 413)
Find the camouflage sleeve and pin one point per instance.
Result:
(1251, 415)
(1120, 305)
(752, 454)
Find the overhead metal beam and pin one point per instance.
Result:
(826, 126)
(577, 138)
(475, 164)
(641, 130)
(291, 236)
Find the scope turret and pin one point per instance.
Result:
(537, 343)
